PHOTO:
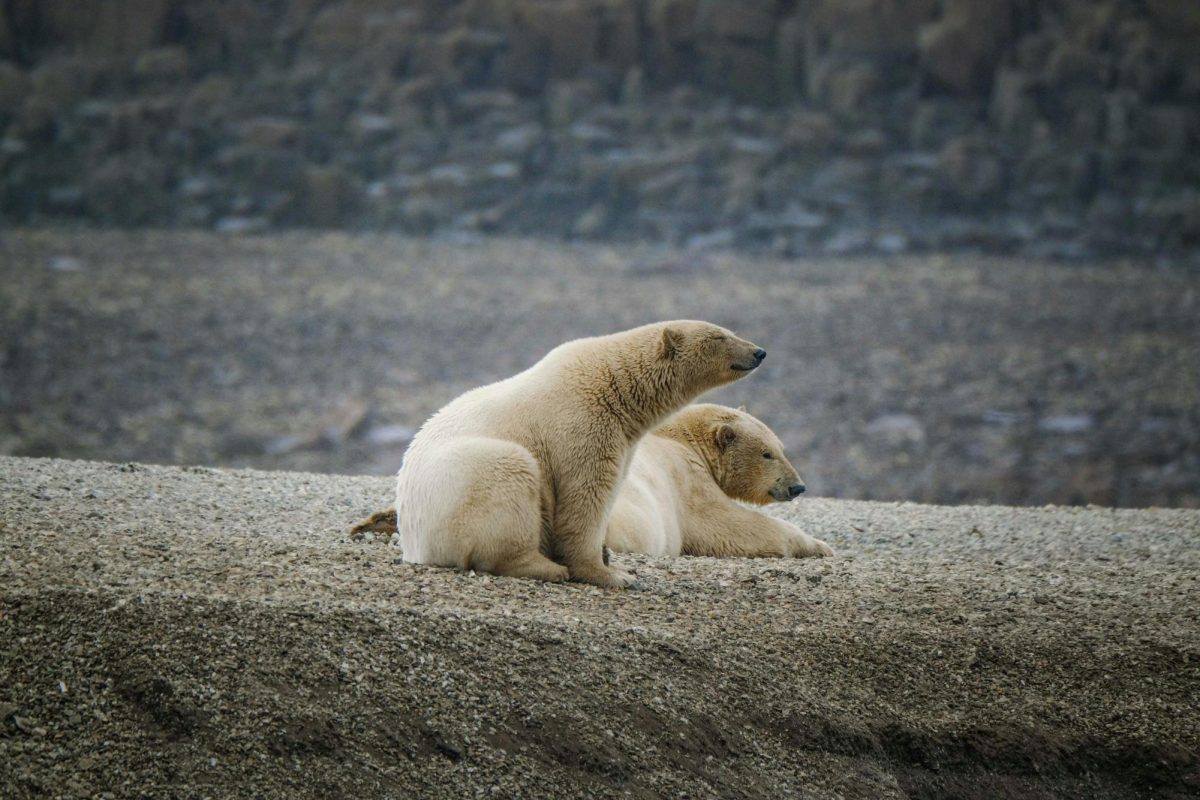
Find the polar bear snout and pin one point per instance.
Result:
(784, 493)
(756, 358)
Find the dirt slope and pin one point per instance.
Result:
(171, 632)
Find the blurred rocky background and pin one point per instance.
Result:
(967, 231)
(1059, 128)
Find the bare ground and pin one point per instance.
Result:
(948, 380)
(169, 632)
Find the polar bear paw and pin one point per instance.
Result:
(805, 546)
(606, 577)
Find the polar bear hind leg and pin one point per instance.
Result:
(494, 521)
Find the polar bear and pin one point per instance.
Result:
(518, 477)
(676, 498)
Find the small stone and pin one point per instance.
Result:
(891, 243)
(241, 225)
(521, 138)
(633, 87)
(12, 146)
(592, 222)
(846, 242)
(65, 199)
(504, 171)
(897, 427)
(65, 264)
(269, 132)
(389, 435)
(196, 186)
(162, 63)
(719, 239)
(1066, 423)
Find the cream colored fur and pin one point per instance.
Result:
(518, 477)
(676, 498)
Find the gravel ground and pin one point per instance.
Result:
(191, 632)
(947, 380)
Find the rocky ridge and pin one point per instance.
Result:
(1064, 129)
(194, 632)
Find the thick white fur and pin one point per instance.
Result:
(518, 477)
(676, 497)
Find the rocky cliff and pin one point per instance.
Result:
(1064, 127)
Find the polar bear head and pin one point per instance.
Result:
(743, 455)
(701, 355)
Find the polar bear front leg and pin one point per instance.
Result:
(730, 531)
(797, 543)
(579, 528)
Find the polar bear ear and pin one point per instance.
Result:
(742, 408)
(669, 344)
(724, 435)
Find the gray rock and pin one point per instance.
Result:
(162, 64)
(959, 51)
(328, 196)
(368, 128)
(897, 427)
(127, 189)
(1066, 423)
(269, 132)
(754, 20)
(520, 139)
(969, 169)
(389, 435)
(848, 88)
(1013, 107)
(891, 243)
(504, 171)
(66, 264)
(755, 146)
(241, 225)
(846, 242)
(633, 87)
(14, 87)
(195, 186)
(65, 199)
(12, 146)
(593, 222)
(719, 239)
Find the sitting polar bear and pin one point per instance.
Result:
(676, 497)
(514, 477)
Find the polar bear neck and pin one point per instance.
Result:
(692, 428)
(629, 382)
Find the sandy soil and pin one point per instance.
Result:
(941, 380)
(191, 633)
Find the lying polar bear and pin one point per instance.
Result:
(676, 498)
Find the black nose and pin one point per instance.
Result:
(760, 354)
(796, 489)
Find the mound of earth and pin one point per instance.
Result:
(189, 632)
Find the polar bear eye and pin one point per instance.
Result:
(767, 455)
